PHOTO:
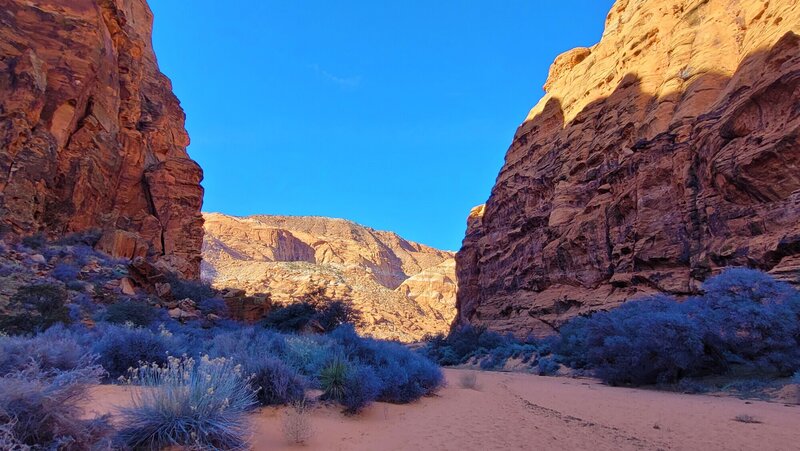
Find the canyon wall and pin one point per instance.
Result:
(404, 290)
(657, 157)
(91, 135)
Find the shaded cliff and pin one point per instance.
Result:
(91, 135)
(405, 290)
(664, 153)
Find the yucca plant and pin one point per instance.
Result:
(185, 403)
(333, 378)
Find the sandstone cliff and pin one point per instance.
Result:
(662, 154)
(404, 290)
(91, 136)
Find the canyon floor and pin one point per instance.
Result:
(521, 411)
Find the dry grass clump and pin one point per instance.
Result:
(746, 419)
(468, 380)
(297, 423)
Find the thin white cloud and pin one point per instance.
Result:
(345, 82)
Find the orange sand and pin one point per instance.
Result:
(520, 411)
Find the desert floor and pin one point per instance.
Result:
(521, 411)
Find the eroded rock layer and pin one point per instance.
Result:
(91, 135)
(404, 290)
(669, 150)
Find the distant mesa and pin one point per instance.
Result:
(404, 290)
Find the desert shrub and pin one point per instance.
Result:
(7, 269)
(744, 418)
(83, 254)
(35, 308)
(192, 338)
(192, 289)
(247, 343)
(54, 349)
(87, 238)
(745, 323)
(183, 403)
(297, 424)
(35, 241)
(65, 272)
(468, 379)
(42, 408)
(138, 312)
(334, 314)
(213, 305)
(86, 303)
(466, 342)
(261, 354)
(499, 356)
(120, 348)
(405, 375)
(355, 386)
(332, 379)
(75, 285)
(290, 318)
(645, 342)
(692, 386)
(748, 388)
(490, 349)
(309, 354)
(7, 439)
(315, 310)
(361, 388)
(546, 366)
(756, 318)
(276, 383)
(572, 344)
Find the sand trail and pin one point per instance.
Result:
(512, 411)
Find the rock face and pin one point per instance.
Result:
(91, 136)
(659, 156)
(403, 289)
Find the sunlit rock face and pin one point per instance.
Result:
(91, 135)
(657, 157)
(404, 290)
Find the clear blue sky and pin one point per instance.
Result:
(394, 114)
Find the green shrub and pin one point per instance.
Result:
(138, 312)
(333, 379)
(191, 289)
(35, 308)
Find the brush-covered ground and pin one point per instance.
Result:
(741, 337)
(508, 411)
(95, 356)
(72, 319)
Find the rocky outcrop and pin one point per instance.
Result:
(404, 290)
(91, 135)
(434, 290)
(659, 156)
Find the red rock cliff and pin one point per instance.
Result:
(667, 151)
(91, 135)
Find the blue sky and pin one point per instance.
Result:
(394, 114)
